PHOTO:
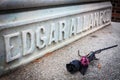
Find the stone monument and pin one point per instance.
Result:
(28, 32)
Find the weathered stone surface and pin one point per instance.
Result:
(53, 67)
(26, 36)
(18, 4)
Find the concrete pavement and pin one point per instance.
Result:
(52, 65)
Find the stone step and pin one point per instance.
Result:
(26, 36)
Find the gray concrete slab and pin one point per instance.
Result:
(52, 66)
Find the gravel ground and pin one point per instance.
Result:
(52, 66)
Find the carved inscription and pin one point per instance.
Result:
(39, 38)
(9, 55)
(30, 34)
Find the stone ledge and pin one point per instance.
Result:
(26, 36)
(28, 17)
(18, 4)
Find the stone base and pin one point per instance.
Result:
(26, 36)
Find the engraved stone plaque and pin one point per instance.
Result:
(26, 36)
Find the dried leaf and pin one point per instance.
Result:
(99, 66)
(39, 59)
